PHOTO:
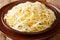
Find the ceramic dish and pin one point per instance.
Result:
(20, 35)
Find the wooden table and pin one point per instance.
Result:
(55, 2)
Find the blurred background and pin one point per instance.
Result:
(54, 2)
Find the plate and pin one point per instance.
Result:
(16, 36)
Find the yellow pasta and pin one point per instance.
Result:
(30, 17)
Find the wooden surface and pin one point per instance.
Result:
(55, 2)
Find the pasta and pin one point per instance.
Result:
(30, 17)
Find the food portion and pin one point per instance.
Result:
(30, 17)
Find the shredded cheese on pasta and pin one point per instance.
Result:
(30, 17)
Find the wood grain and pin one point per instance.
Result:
(55, 2)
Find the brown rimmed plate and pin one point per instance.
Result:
(18, 35)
